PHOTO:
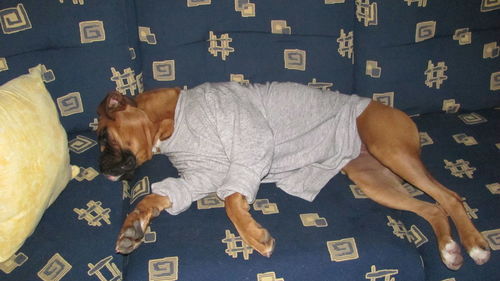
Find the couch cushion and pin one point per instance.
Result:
(338, 236)
(428, 54)
(86, 49)
(470, 142)
(238, 40)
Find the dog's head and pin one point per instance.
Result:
(126, 134)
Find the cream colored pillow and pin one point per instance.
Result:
(34, 158)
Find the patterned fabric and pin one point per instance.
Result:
(86, 48)
(439, 59)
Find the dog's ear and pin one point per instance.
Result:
(113, 103)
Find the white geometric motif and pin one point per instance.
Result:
(92, 31)
(320, 85)
(420, 3)
(81, 144)
(124, 81)
(196, 3)
(70, 104)
(384, 98)
(165, 269)
(460, 168)
(164, 70)
(489, 5)
(472, 118)
(435, 74)
(386, 274)
(145, 35)
(95, 269)
(3, 64)
(246, 8)
(220, 45)
(465, 139)
(236, 245)
(295, 59)
(491, 50)
(55, 269)
(346, 44)
(463, 36)
(425, 30)
(495, 81)
(343, 249)
(366, 12)
(14, 19)
(450, 106)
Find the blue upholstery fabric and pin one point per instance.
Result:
(253, 50)
(80, 46)
(375, 48)
(408, 36)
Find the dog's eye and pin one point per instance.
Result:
(129, 163)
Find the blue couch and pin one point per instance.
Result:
(436, 60)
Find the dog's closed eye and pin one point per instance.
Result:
(129, 163)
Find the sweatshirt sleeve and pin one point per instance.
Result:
(247, 141)
(182, 191)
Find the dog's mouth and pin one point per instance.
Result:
(113, 178)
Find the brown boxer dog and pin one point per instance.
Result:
(128, 130)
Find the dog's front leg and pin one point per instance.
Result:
(251, 232)
(137, 221)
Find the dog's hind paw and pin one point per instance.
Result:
(479, 255)
(451, 255)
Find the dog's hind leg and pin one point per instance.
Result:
(392, 138)
(251, 232)
(384, 187)
(137, 221)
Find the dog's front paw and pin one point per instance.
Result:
(260, 239)
(131, 234)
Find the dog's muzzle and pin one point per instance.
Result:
(117, 165)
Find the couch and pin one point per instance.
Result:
(438, 61)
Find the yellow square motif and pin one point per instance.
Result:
(55, 269)
(313, 219)
(92, 31)
(13, 262)
(165, 269)
(268, 276)
(493, 238)
(3, 64)
(343, 249)
(295, 59)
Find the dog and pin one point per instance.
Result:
(229, 138)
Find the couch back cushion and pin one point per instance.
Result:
(186, 43)
(427, 56)
(86, 49)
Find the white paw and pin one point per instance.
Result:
(451, 255)
(480, 256)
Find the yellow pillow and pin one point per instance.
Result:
(34, 158)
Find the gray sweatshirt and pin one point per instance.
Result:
(229, 138)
